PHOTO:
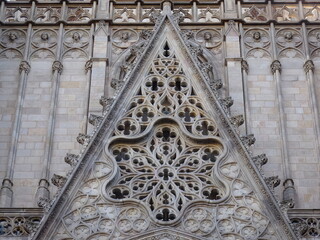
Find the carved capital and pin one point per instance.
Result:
(83, 139)
(25, 67)
(308, 66)
(71, 159)
(275, 66)
(272, 182)
(58, 180)
(245, 66)
(88, 65)
(248, 140)
(95, 120)
(237, 121)
(57, 66)
(260, 160)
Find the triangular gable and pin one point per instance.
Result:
(166, 155)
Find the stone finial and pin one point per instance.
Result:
(308, 66)
(58, 180)
(245, 66)
(272, 182)
(95, 120)
(71, 159)
(237, 121)
(275, 66)
(24, 67)
(88, 66)
(57, 66)
(260, 160)
(226, 102)
(83, 138)
(248, 140)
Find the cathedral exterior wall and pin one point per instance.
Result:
(57, 60)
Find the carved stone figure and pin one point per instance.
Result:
(58, 180)
(288, 38)
(260, 160)
(272, 182)
(124, 38)
(237, 121)
(83, 139)
(208, 38)
(76, 38)
(71, 159)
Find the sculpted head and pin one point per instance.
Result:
(45, 36)
(288, 35)
(12, 36)
(125, 36)
(207, 36)
(256, 36)
(76, 36)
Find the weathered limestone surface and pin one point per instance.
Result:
(55, 65)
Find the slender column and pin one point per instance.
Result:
(245, 70)
(276, 70)
(43, 191)
(88, 69)
(309, 70)
(234, 83)
(194, 11)
(2, 13)
(6, 192)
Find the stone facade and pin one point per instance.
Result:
(63, 64)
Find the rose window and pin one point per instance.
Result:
(166, 171)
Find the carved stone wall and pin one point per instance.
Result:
(58, 60)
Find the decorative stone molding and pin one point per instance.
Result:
(260, 160)
(57, 66)
(308, 66)
(24, 67)
(275, 66)
(58, 180)
(71, 159)
(21, 225)
(305, 222)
